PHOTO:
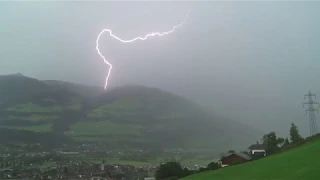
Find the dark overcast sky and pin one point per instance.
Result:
(249, 61)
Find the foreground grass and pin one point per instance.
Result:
(300, 163)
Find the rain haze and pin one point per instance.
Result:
(251, 62)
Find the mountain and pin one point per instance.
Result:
(30, 104)
(127, 116)
(87, 92)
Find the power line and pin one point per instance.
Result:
(311, 111)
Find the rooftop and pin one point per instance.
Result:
(257, 147)
(245, 156)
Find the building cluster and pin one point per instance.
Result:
(255, 151)
(67, 163)
(77, 162)
(79, 170)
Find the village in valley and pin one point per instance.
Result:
(85, 162)
(63, 163)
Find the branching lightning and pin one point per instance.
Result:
(130, 41)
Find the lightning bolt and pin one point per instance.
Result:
(130, 41)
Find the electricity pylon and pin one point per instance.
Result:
(311, 111)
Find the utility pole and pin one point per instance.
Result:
(311, 111)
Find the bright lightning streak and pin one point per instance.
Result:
(130, 41)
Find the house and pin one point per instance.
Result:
(233, 158)
(257, 150)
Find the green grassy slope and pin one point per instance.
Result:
(47, 127)
(156, 117)
(135, 115)
(29, 104)
(299, 163)
(104, 128)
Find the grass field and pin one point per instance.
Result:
(103, 128)
(37, 128)
(34, 117)
(32, 108)
(117, 108)
(131, 106)
(300, 163)
(120, 162)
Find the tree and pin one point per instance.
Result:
(53, 172)
(65, 170)
(272, 142)
(213, 166)
(202, 169)
(285, 142)
(294, 134)
(187, 172)
(280, 141)
(231, 151)
(246, 153)
(169, 170)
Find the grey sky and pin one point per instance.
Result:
(248, 61)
